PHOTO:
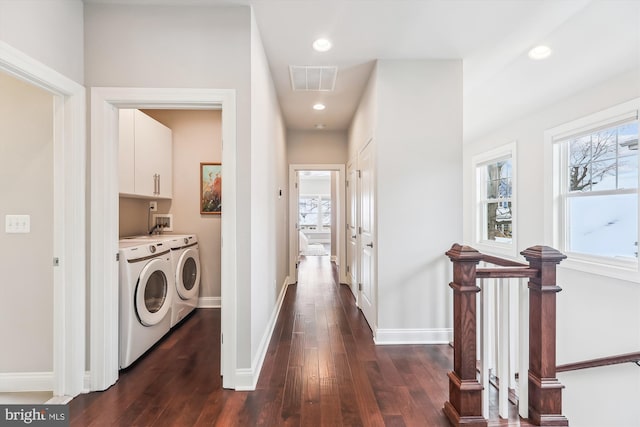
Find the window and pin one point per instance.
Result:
(495, 200)
(596, 188)
(315, 213)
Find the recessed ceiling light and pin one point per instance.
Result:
(540, 52)
(319, 107)
(320, 126)
(322, 45)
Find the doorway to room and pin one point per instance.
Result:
(316, 218)
(317, 214)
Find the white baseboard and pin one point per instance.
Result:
(247, 379)
(14, 382)
(59, 400)
(86, 384)
(413, 336)
(209, 302)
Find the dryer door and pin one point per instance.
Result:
(188, 274)
(153, 299)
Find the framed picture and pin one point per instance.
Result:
(210, 188)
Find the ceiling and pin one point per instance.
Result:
(591, 40)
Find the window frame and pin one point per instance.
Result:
(557, 194)
(478, 162)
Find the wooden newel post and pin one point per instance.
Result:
(545, 391)
(465, 392)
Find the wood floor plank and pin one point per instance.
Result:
(321, 368)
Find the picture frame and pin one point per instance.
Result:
(210, 188)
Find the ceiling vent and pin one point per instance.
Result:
(312, 78)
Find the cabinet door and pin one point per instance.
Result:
(164, 161)
(126, 152)
(151, 148)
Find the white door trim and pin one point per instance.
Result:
(104, 218)
(69, 316)
(293, 216)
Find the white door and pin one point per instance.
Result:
(367, 296)
(352, 228)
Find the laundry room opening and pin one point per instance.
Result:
(316, 213)
(162, 155)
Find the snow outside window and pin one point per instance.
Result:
(495, 200)
(596, 186)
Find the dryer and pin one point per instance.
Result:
(185, 260)
(146, 294)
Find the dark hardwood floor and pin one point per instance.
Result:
(321, 369)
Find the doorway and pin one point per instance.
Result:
(105, 103)
(317, 214)
(66, 259)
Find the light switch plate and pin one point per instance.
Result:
(17, 223)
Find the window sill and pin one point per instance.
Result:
(617, 269)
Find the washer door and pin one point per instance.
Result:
(152, 298)
(188, 274)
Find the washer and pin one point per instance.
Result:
(185, 260)
(146, 283)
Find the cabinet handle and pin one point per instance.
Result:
(370, 244)
(155, 183)
(158, 184)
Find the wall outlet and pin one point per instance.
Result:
(165, 221)
(153, 206)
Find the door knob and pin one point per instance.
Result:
(370, 244)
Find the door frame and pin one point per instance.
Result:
(293, 217)
(105, 102)
(69, 166)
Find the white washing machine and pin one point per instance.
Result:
(146, 293)
(185, 260)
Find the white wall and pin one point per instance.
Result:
(419, 181)
(269, 236)
(48, 31)
(26, 188)
(317, 146)
(363, 125)
(413, 112)
(597, 316)
(314, 186)
(186, 46)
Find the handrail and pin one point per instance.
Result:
(501, 261)
(506, 272)
(544, 389)
(602, 361)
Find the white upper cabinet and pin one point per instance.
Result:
(145, 152)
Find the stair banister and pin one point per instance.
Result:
(464, 406)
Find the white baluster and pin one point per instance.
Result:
(503, 349)
(523, 365)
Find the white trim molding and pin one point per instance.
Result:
(18, 382)
(413, 336)
(556, 230)
(247, 379)
(210, 302)
(105, 103)
(69, 171)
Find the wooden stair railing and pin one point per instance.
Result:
(464, 406)
(602, 361)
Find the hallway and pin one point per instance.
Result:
(322, 369)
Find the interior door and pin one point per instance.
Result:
(367, 296)
(352, 228)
